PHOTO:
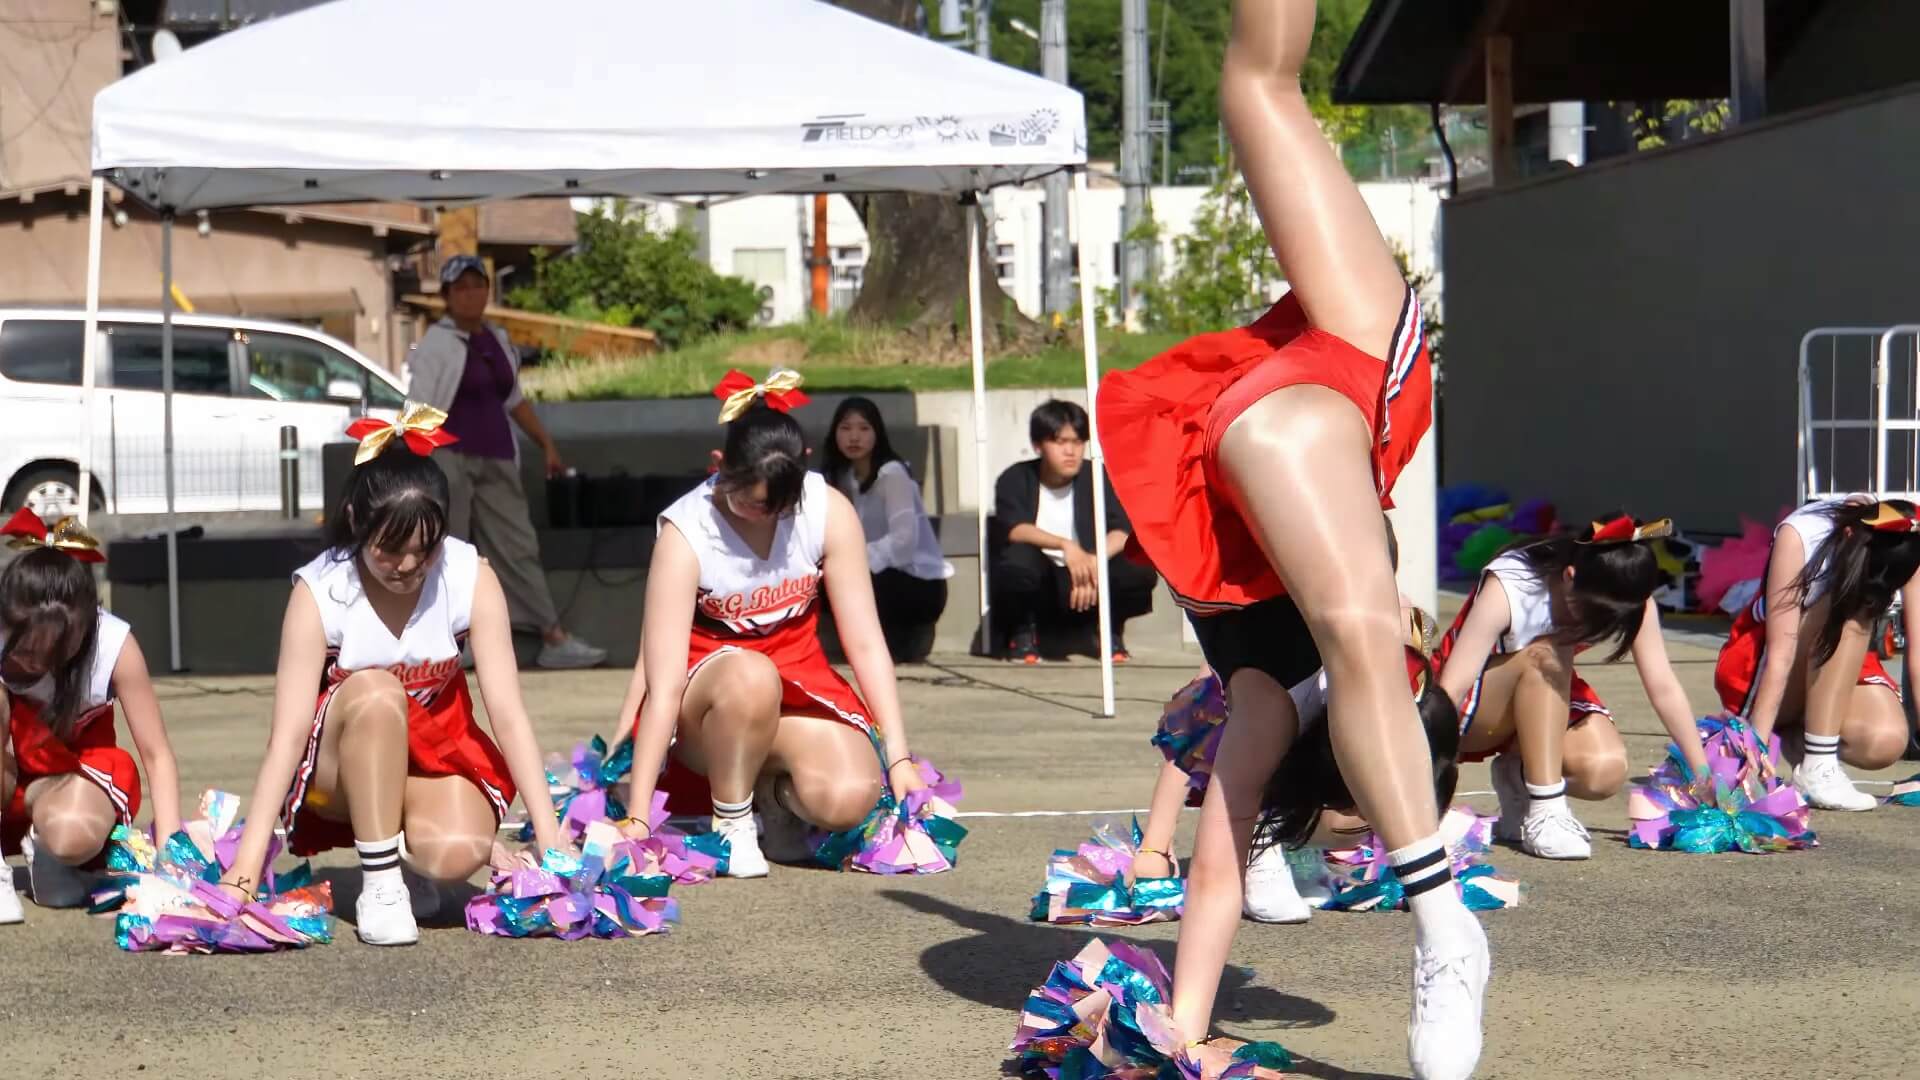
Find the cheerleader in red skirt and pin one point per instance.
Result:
(1800, 656)
(1253, 464)
(732, 679)
(64, 663)
(374, 741)
(1507, 663)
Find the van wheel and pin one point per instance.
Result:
(52, 491)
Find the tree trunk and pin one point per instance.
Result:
(916, 273)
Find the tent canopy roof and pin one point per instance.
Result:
(419, 101)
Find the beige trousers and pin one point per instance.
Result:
(488, 507)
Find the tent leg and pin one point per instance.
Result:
(982, 482)
(90, 345)
(1089, 334)
(166, 387)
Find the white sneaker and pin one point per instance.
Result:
(384, 914)
(570, 653)
(1822, 782)
(1271, 896)
(10, 911)
(1510, 784)
(1449, 991)
(783, 834)
(54, 883)
(744, 859)
(1555, 834)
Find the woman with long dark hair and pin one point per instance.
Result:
(1799, 658)
(909, 574)
(374, 741)
(1253, 464)
(732, 681)
(64, 664)
(1507, 663)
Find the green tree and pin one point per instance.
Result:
(1655, 124)
(626, 271)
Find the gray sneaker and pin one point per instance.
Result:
(570, 653)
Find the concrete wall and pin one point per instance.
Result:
(1628, 334)
(1846, 49)
(54, 56)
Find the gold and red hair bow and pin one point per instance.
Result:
(1623, 530)
(1419, 647)
(1888, 518)
(419, 427)
(25, 531)
(737, 393)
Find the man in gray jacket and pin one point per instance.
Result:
(466, 367)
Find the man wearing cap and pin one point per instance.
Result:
(467, 367)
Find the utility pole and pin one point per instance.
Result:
(1056, 288)
(983, 29)
(1135, 151)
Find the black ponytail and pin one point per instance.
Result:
(50, 605)
(1612, 581)
(1308, 782)
(765, 444)
(1863, 568)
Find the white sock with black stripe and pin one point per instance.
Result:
(1427, 877)
(1545, 799)
(1822, 746)
(732, 811)
(379, 860)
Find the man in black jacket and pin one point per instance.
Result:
(1045, 590)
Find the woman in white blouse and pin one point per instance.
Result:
(909, 576)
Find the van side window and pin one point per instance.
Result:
(382, 396)
(41, 350)
(200, 363)
(282, 367)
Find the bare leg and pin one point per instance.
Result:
(827, 771)
(1320, 228)
(1155, 858)
(360, 772)
(729, 716)
(1524, 697)
(1830, 687)
(1595, 758)
(450, 827)
(71, 817)
(1874, 733)
(1264, 726)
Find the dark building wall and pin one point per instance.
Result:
(1628, 334)
(1846, 49)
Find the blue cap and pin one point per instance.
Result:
(461, 264)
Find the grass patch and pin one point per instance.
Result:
(834, 356)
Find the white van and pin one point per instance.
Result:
(236, 383)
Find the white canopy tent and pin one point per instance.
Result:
(424, 102)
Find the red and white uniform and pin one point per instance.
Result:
(769, 606)
(1531, 618)
(1736, 675)
(442, 737)
(89, 750)
(1161, 425)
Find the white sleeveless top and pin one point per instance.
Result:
(1814, 526)
(1529, 605)
(110, 638)
(426, 656)
(741, 594)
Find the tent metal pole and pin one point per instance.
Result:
(166, 388)
(982, 481)
(1089, 334)
(90, 345)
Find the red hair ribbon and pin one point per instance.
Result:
(1887, 518)
(1624, 530)
(738, 392)
(26, 531)
(419, 426)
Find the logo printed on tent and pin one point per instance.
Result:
(838, 127)
(1033, 131)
